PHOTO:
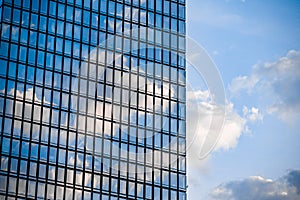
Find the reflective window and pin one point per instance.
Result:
(76, 113)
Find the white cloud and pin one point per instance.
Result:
(200, 113)
(278, 83)
(259, 188)
(243, 83)
(252, 114)
(233, 128)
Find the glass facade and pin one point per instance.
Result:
(92, 99)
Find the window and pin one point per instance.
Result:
(44, 7)
(61, 11)
(15, 34)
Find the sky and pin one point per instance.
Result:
(255, 46)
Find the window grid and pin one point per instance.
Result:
(55, 111)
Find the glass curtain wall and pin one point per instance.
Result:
(92, 99)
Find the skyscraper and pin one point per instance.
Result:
(92, 99)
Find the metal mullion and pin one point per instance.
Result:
(5, 116)
(119, 164)
(113, 96)
(144, 166)
(1, 8)
(59, 111)
(94, 120)
(23, 100)
(104, 87)
(85, 128)
(95, 107)
(177, 166)
(152, 163)
(119, 132)
(129, 113)
(170, 163)
(161, 100)
(112, 105)
(136, 158)
(69, 111)
(104, 105)
(42, 106)
(85, 96)
(121, 105)
(94, 116)
(76, 111)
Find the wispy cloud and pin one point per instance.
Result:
(259, 188)
(215, 16)
(222, 16)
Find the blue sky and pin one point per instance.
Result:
(256, 47)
